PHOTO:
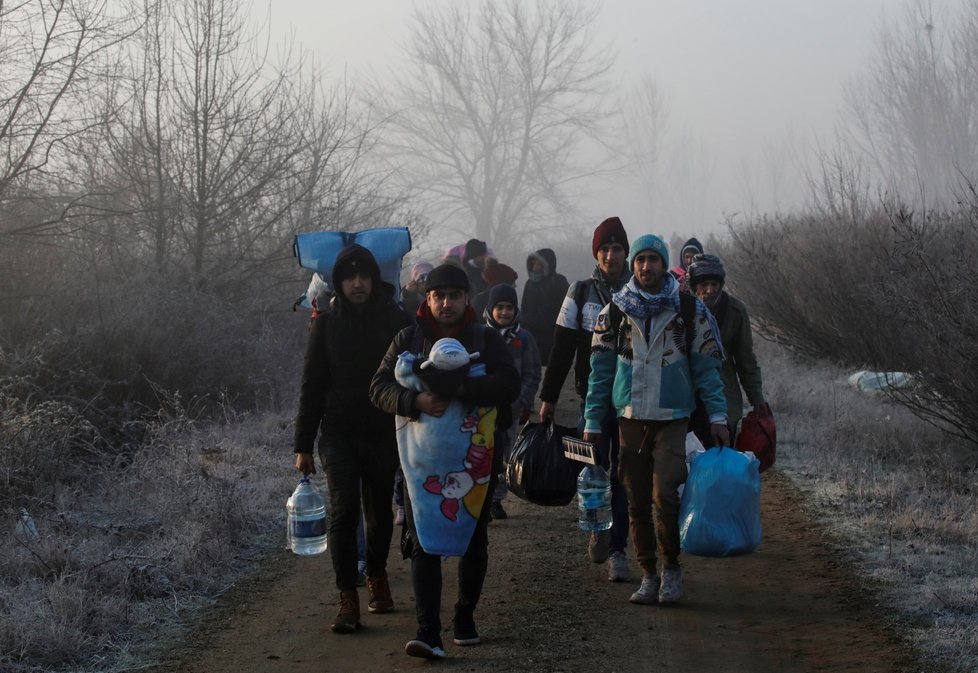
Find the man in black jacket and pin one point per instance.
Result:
(572, 347)
(447, 313)
(357, 446)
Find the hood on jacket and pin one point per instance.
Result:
(350, 259)
(691, 244)
(545, 256)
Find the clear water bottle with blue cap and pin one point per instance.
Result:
(594, 498)
(306, 510)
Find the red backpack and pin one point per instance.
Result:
(759, 435)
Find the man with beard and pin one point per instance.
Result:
(572, 346)
(447, 313)
(357, 446)
(706, 277)
(651, 366)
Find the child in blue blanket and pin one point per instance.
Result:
(503, 314)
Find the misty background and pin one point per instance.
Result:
(158, 158)
(747, 89)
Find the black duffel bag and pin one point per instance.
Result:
(537, 470)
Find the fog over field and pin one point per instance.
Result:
(748, 87)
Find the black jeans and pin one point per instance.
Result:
(358, 463)
(426, 569)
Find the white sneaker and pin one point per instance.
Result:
(618, 567)
(597, 546)
(648, 592)
(672, 585)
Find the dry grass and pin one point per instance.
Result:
(125, 556)
(899, 496)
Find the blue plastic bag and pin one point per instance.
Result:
(720, 512)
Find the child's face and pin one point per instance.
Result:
(503, 313)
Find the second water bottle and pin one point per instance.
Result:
(594, 498)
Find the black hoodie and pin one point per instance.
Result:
(541, 301)
(345, 348)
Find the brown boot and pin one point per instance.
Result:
(380, 594)
(348, 618)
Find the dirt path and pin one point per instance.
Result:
(791, 606)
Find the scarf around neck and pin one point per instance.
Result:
(639, 303)
(644, 306)
(507, 332)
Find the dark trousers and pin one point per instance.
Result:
(359, 464)
(426, 569)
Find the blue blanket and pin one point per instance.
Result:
(317, 250)
(447, 463)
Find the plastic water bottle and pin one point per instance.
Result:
(306, 510)
(594, 498)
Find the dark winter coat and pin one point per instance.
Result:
(344, 349)
(542, 299)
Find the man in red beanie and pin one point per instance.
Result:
(572, 346)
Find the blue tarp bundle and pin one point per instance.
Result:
(720, 513)
(317, 250)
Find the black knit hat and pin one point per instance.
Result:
(705, 267)
(474, 248)
(447, 275)
(350, 260)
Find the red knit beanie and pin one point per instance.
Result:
(609, 231)
(496, 273)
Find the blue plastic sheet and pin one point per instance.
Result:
(317, 250)
(720, 513)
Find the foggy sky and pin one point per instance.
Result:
(745, 78)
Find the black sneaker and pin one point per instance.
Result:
(464, 631)
(427, 645)
(496, 511)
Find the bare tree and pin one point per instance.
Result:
(491, 108)
(911, 117)
(51, 53)
(646, 117)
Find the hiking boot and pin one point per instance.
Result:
(380, 594)
(672, 585)
(648, 592)
(618, 567)
(348, 618)
(399, 517)
(463, 627)
(496, 511)
(427, 645)
(597, 546)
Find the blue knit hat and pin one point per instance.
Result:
(649, 242)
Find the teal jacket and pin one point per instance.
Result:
(652, 377)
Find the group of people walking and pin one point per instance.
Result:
(656, 353)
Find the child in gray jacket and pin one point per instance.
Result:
(503, 314)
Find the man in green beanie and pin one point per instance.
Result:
(654, 351)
